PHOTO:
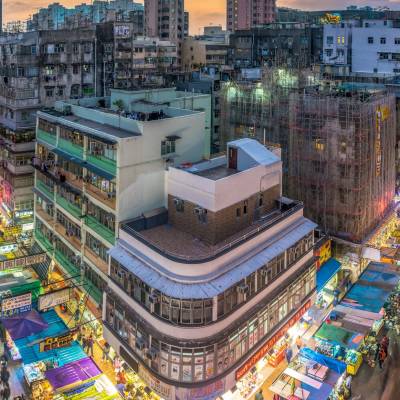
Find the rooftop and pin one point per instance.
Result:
(181, 246)
(87, 125)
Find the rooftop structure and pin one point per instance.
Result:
(210, 263)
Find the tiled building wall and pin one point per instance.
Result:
(215, 227)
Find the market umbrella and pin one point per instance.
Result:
(24, 324)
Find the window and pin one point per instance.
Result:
(396, 56)
(238, 212)
(370, 40)
(75, 48)
(245, 204)
(329, 52)
(383, 40)
(396, 40)
(383, 56)
(49, 92)
(59, 48)
(60, 91)
(75, 69)
(329, 40)
(167, 147)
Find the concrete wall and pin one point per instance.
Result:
(217, 195)
(141, 169)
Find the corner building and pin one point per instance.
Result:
(197, 292)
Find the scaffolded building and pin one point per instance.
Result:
(342, 157)
(337, 139)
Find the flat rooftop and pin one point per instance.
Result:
(216, 173)
(91, 126)
(181, 246)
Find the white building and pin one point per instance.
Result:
(366, 47)
(96, 167)
(199, 293)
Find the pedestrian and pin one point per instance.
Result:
(4, 375)
(385, 343)
(382, 357)
(299, 343)
(90, 343)
(6, 392)
(259, 395)
(347, 383)
(378, 347)
(288, 354)
(106, 352)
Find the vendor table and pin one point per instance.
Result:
(284, 389)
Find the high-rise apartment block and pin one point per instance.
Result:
(97, 165)
(198, 287)
(165, 19)
(246, 14)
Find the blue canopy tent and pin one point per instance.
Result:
(327, 272)
(335, 365)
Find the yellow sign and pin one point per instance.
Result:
(331, 19)
(13, 230)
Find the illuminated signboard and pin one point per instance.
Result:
(52, 299)
(57, 342)
(331, 19)
(251, 362)
(16, 305)
(22, 261)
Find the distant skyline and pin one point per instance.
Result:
(202, 12)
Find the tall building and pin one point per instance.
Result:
(165, 19)
(201, 289)
(37, 69)
(342, 152)
(97, 165)
(246, 14)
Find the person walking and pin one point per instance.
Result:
(378, 347)
(4, 375)
(385, 343)
(382, 357)
(6, 392)
(106, 352)
(299, 343)
(259, 395)
(289, 354)
(90, 343)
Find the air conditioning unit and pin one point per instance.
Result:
(154, 298)
(140, 344)
(152, 354)
(199, 211)
(243, 288)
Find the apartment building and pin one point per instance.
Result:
(171, 97)
(37, 69)
(165, 19)
(289, 45)
(198, 288)
(57, 16)
(95, 167)
(246, 14)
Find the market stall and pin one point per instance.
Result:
(309, 376)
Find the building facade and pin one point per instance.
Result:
(246, 14)
(165, 19)
(331, 131)
(188, 305)
(93, 166)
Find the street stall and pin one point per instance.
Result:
(310, 376)
(339, 343)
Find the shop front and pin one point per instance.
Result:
(251, 375)
(310, 376)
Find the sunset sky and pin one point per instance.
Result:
(202, 12)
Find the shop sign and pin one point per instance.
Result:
(12, 230)
(121, 30)
(208, 392)
(52, 299)
(57, 342)
(162, 389)
(16, 305)
(22, 261)
(251, 362)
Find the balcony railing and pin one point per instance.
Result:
(96, 260)
(46, 137)
(45, 189)
(43, 240)
(72, 269)
(106, 198)
(103, 163)
(99, 228)
(70, 147)
(69, 207)
(94, 292)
